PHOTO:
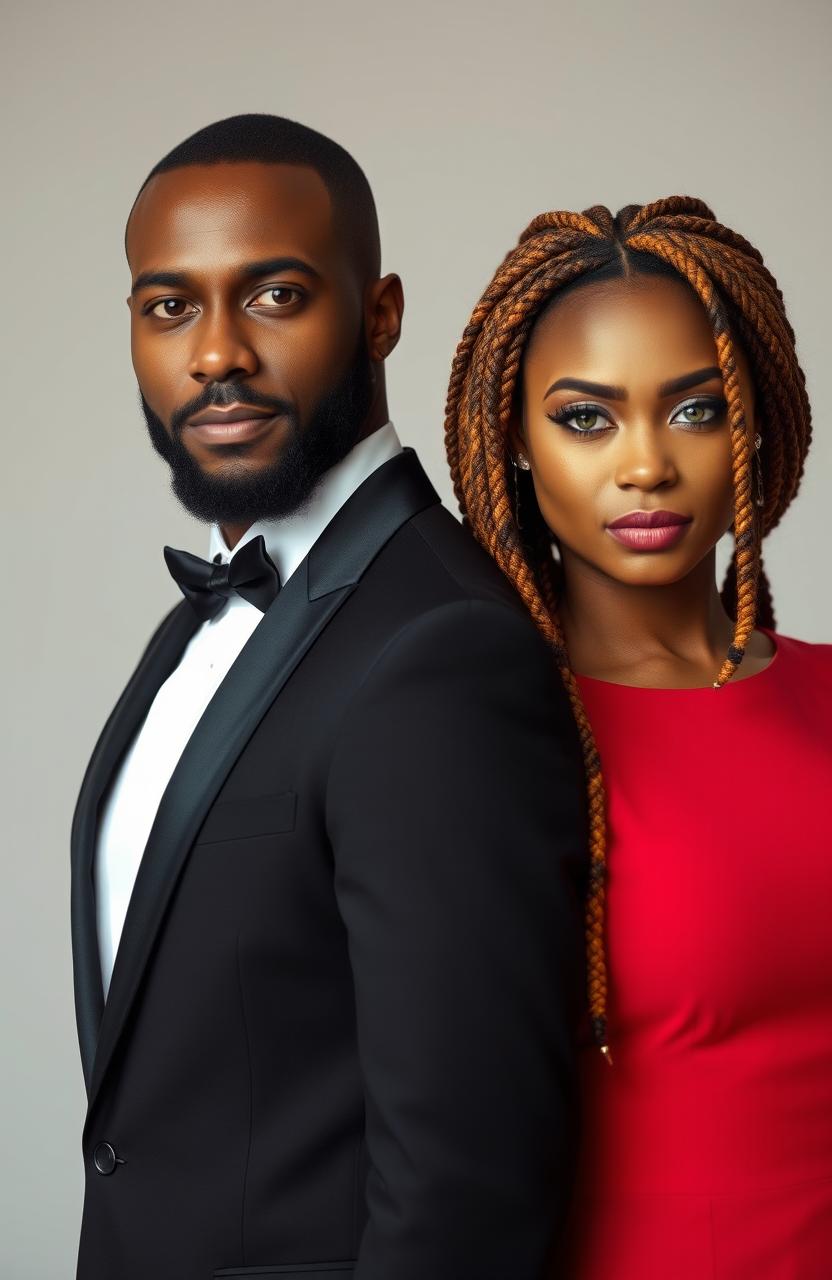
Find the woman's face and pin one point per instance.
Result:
(624, 416)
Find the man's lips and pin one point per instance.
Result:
(649, 530)
(238, 424)
(232, 413)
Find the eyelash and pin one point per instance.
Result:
(716, 403)
(569, 411)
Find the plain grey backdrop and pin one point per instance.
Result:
(468, 119)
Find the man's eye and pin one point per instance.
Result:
(171, 308)
(276, 296)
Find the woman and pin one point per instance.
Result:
(627, 391)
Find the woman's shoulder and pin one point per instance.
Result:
(814, 658)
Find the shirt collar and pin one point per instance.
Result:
(289, 539)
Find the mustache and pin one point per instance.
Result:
(218, 395)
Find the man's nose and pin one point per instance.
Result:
(645, 459)
(221, 351)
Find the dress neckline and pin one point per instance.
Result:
(692, 689)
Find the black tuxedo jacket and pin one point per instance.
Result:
(339, 1033)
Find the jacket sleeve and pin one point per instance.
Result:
(456, 809)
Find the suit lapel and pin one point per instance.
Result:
(310, 599)
(157, 662)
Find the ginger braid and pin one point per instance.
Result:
(744, 304)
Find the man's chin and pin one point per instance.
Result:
(235, 463)
(232, 497)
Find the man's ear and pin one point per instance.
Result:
(384, 307)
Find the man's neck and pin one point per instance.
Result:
(232, 533)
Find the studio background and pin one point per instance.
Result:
(468, 120)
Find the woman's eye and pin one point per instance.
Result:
(696, 414)
(276, 296)
(170, 308)
(584, 420)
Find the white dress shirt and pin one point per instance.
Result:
(137, 789)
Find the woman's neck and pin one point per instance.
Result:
(671, 636)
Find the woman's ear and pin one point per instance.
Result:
(516, 438)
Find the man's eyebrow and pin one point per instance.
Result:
(168, 279)
(265, 267)
(689, 380)
(269, 266)
(589, 388)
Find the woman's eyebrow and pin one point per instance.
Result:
(589, 388)
(689, 380)
(609, 392)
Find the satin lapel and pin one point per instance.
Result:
(156, 664)
(312, 596)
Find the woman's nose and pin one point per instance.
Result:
(645, 459)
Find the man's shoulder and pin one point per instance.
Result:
(437, 616)
(439, 552)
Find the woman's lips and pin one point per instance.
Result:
(649, 530)
(241, 431)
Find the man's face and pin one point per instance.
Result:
(247, 334)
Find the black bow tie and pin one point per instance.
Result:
(251, 573)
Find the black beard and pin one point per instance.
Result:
(281, 488)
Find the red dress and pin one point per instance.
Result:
(707, 1146)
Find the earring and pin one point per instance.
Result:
(523, 462)
(760, 498)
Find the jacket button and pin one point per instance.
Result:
(104, 1158)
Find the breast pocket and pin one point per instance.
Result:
(248, 817)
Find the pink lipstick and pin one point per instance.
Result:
(649, 530)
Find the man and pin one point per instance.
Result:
(327, 853)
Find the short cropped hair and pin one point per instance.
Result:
(268, 139)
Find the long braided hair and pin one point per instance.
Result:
(678, 236)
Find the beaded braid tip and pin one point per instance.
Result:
(607, 1054)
